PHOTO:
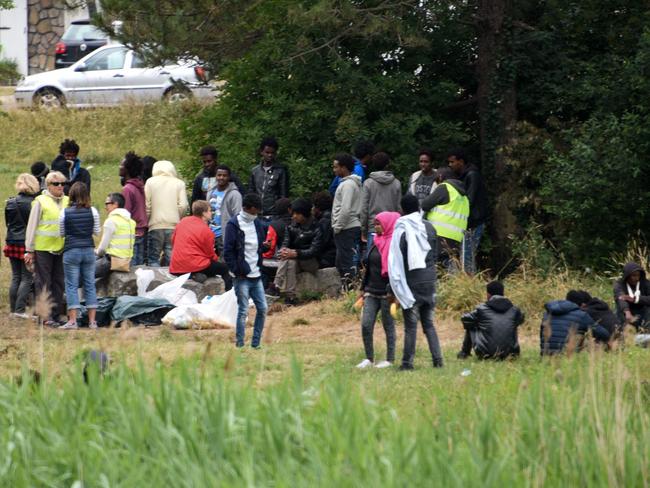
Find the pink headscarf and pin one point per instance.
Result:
(387, 221)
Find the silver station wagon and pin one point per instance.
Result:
(112, 75)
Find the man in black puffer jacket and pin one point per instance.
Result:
(562, 321)
(491, 329)
(598, 310)
(300, 249)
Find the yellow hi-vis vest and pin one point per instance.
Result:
(450, 220)
(47, 232)
(122, 240)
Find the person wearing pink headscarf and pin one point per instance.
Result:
(374, 291)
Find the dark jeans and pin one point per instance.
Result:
(371, 307)
(252, 288)
(449, 254)
(214, 268)
(347, 250)
(466, 348)
(139, 245)
(48, 278)
(21, 286)
(411, 331)
(159, 241)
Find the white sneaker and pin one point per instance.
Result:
(366, 363)
(69, 326)
(383, 364)
(92, 325)
(19, 315)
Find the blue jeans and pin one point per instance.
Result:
(79, 268)
(138, 250)
(160, 241)
(369, 240)
(252, 288)
(470, 244)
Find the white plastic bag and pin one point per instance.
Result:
(219, 311)
(172, 291)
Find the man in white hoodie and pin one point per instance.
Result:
(346, 210)
(412, 275)
(166, 204)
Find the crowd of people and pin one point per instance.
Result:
(387, 236)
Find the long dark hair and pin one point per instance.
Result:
(79, 195)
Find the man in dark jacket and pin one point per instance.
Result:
(269, 179)
(598, 310)
(491, 329)
(412, 265)
(632, 297)
(69, 164)
(323, 213)
(243, 248)
(478, 203)
(449, 247)
(564, 326)
(206, 180)
(300, 249)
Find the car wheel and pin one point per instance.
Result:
(177, 94)
(49, 99)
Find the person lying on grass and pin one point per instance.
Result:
(491, 329)
(374, 291)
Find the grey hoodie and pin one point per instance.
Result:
(347, 204)
(382, 192)
(230, 206)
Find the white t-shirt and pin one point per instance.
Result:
(251, 244)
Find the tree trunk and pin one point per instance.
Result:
(497, 107)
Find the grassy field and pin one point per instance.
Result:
(184, 408)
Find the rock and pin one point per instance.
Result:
(120, 283)
(33, 16)
(44, 26)
(326, 281)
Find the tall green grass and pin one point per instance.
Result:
(575, 422)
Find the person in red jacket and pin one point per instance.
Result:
(193, 247)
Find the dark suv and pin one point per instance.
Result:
(78, 40)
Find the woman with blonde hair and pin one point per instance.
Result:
(44, 246)
(17, 211)
(77, 224)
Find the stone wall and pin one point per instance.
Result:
(46, 23)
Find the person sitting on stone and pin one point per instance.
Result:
(193, 243)
(564, 326)
(273, 243)
(491, 328)
(118, 237)
(598, 310)
(632, 296)
(300, 249)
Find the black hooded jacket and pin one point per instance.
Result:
(620, 288)
(17, 212)
(602, 314)
(493, 328)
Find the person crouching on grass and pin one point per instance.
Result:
(243, 248)
(412, 275)
(77, 224)
(374, 290)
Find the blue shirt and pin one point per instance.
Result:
(359, 170)
(216, 199)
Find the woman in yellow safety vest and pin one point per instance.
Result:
(44, 246)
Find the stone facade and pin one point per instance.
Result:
(46, 24)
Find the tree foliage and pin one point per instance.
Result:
(551, 96)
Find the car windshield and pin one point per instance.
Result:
(82, 32)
